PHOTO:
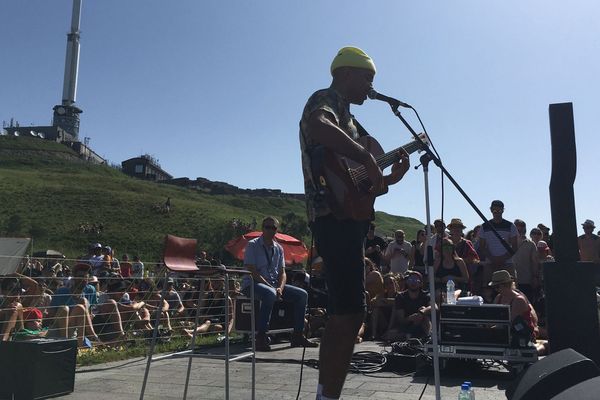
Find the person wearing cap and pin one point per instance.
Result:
(411, 311)
(94, 258)
(546, 236)
(497, 257)
(465, 250)
(544, 252)
(176, 308)
(32, 325)
(520, 306)
(111, 263)
(589, 245)
(435, 241)
(327, 127)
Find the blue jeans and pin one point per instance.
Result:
(268, 296)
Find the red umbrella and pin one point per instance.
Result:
(293, 249)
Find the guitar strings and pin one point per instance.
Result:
(383, 161)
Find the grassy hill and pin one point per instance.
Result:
(48, 194)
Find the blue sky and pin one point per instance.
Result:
(215, 89)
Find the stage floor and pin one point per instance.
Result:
(277, 374)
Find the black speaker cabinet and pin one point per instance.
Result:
(475, 334)
(37, 369)
(587, 390)
(552, 375)
(282, 316)
(484, 312)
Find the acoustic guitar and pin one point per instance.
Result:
(345, 183)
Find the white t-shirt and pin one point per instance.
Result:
(399, 255)
(506, 229)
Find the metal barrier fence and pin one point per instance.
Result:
(109, 309)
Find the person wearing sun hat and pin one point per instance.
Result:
(465, 250)
(589, 245)
(329, 131)
(520, 306)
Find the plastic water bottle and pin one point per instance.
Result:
(471, 390)
(464, 392)
(450, 299)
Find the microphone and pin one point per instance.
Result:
(373, 95)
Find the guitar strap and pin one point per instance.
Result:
(361, 131)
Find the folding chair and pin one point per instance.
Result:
(180, 256)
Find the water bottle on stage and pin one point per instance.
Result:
(450, 299)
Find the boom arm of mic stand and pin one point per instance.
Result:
(438, 162)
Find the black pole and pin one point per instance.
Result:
(569, 285)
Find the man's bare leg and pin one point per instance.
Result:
(77, 322)
(60, 323)
(337, 345)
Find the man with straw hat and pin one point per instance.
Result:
(589, 245)
(326, 127)
(520, 307)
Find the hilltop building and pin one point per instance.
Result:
(145, 167)
(65, 119)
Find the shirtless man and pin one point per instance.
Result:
(589, 244)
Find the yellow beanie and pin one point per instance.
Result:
(352, 57)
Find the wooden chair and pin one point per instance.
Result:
(180, 256)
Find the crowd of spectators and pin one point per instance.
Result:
(106, 300)
(475, 260)
(102, 300)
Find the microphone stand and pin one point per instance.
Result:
(438, 162)
(425, 159)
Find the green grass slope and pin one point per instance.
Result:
(47, 193)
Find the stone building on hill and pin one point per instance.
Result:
(145, 167)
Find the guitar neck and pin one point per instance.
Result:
(387, 159)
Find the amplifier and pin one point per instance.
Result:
(37, 369)
(475, 333)
(484, 312)
(282, 316)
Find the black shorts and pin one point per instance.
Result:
(341, 245)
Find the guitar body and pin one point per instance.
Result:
(346, 196)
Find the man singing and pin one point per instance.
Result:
(327, 124)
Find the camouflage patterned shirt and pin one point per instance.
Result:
(331, 101)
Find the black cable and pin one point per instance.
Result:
(424, 387)
(364, 362)
(301, 370)
(309, 269)
(437, 155)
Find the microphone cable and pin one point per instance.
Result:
(436, 154)
(301, 371)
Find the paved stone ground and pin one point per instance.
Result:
(277, 376)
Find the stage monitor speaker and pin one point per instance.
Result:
(552, 375)
(282, 316)
(37, 369)
(586, 390)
